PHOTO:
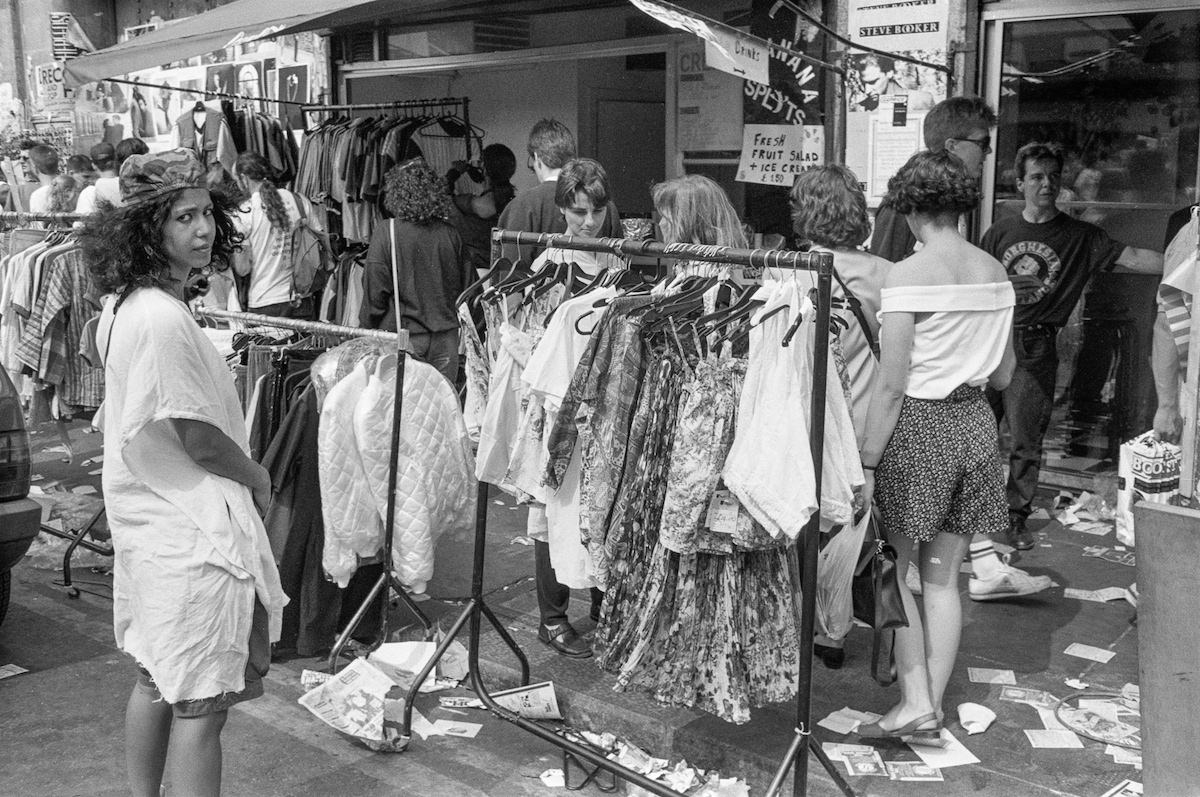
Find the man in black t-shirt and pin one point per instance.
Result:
(1056, 255)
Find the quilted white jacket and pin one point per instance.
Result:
(352, 526)
(435, 478)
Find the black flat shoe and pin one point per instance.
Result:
(833, 658)
(565, 640)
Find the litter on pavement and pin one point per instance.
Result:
(9, 670)
(975, 718)
(1126, 788)
(984, 675)
(1090, 652)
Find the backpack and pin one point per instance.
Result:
(311, 259)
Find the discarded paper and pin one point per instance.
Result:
(985, 675)
(975, 718)
(837, 752)
(865, 764)
(1123, 755)
(845, 720)
(311, 678)
(1098, 595)
(911, 770)
(1090, 652)
(467, 730)
(1033, 697)
(1054, 739)
(401, 661)
(949, 753)
(1050, 720)
(9, 670)
(1094, 725)
(352, 700)
(723, 787)
(552, 778)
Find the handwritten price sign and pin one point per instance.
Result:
(775, 154)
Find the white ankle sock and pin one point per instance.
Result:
(985, 563)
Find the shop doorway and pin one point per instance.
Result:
(627, 137)
(1117, 87)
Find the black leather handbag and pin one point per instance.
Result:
(877, 601)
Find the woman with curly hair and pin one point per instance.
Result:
(931, 456)
(196, 595)
(417, 266)
(267, 224)
(829, 211)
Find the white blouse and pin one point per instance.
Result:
(960, 336)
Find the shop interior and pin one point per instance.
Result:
(1121, 94)
(616, 106)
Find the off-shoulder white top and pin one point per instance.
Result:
(961, 332)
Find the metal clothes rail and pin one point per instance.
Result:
(805, 573)
(25, 217)
(311, 327)
(461, 103)
(219, 94)
(379, 590)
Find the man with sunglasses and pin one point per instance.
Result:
(1050, 257)
(961, 126)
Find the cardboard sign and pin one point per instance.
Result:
(771, 154)
(54, 99)
(729, 51)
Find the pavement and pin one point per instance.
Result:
(61, 723)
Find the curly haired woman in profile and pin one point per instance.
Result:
(931, 456)
(196, 595)
(417, 265)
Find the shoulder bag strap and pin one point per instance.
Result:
(395, 274)
(859, 314)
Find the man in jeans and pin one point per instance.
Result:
(1050, 257)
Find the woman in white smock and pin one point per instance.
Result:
(197, 598)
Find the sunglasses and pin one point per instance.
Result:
(984, 144)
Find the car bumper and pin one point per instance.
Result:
(20, 522)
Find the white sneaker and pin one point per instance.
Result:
(913, 579)
(1010, 582)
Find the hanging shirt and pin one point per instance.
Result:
(191, 551)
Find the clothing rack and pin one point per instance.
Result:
(379, 590)
(805, 573)
(462, 103)
(25, 217)
(218, 94)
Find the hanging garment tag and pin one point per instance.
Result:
(722, 513)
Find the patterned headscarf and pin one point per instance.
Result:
(147, 177)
